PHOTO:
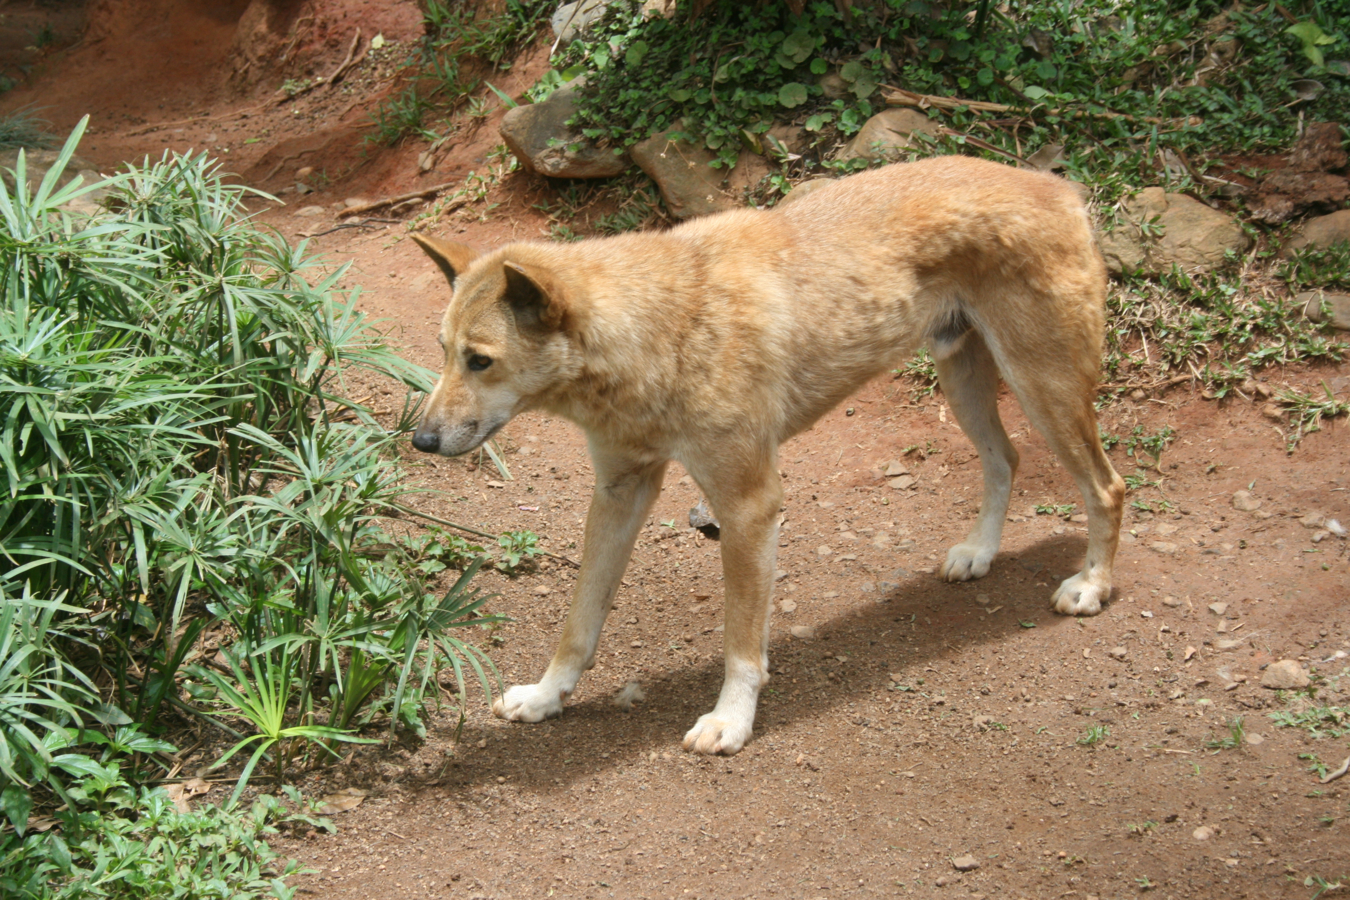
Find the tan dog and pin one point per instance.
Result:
(714, 342)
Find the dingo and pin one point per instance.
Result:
(714, 342)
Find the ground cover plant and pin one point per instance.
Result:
(195, 525)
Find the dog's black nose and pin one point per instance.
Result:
(426, 441)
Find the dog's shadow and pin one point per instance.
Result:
(901, 630)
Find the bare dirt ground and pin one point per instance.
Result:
(914, 723)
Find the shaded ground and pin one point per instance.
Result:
(923, 721)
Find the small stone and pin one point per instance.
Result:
(787, 606)
(303, 172)
(982, 599)
(803, 632)
(1253, 739)
(1171, 602)
(903, 482)
(1273, 412)
(1243, 501)
(779, 575)
(894, 468)
(543, 590)
(824, 550)
(1203, 833)
(1138, 395)
(302, 188)
(1218, 608)
(944, 880)
(309, 212)
(353, 202)
(1312, 520)
(1166, 528)
(1080, 518)
(1167, 548)
(1117, 653)
(1285, 675)
(965, 863)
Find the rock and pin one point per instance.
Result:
(803, 632)
(353, 202)
(689, 185)
(542, 590)
(1243, 501)
(982, 599)
(1218, 608)
(887, 133)
(1309, 182)
(894, 468)
(965, 863)
(786, 606)
(1273, 412)
(903, 482)
(1325, 306)
(834, 86)
(1285, 675)
(572, 19)
(302, 188)
(303, 172)
(701, 517)
(1192, 235)
(37, 163)
(310, 212)
(1320, 232)
(538, 135)
(1203, 833)
(1312, 520)
(1167, 548)
(824, 550)
(1117, 653)
(1171, 602)
(806, 187)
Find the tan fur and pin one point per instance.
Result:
(714, 342)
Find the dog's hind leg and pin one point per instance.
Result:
(1052, 368)
(746, 495)
(969, 379)
(624, 494)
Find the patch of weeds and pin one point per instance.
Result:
(1063, 510)
(400, 115)
(1307, 411)
(1315, 764)
(292, 86)
(22, 128)
(1137, 480)
(1318, 721)
(1139, 829)
(1323, 885)
(1236, 736)
(517, 548)
(586, 208)
(1309, 268)
(922, 372)
(1140, 443)
(1094, 735)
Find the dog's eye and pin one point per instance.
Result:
(478, 362)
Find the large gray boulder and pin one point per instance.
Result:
(1158, 230)
(538, 135)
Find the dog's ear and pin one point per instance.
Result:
(450, 257)
(535, 296)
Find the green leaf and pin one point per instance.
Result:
(799, 45)
(16, 803)
(852, 71)
(1035, 92)
(818, 121)
(985, 77)
(635, 54)
(792, 94)
(819, 66)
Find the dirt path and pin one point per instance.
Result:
(919, 722)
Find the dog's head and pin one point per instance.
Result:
(504, 333)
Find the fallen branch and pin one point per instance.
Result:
(362, 224)
(1332, 776)
(390, 201)
(900, 97)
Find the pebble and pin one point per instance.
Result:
(303, 172)
(309, 212)
(982, 599)
(894, 468)
(1285, 675)
(1203, 833)
(787, 606)
(1312, 520)
(803, 632)
(1167, 548)
(543, 590)
(824, 550)
(965, 863)
(1243, 501)
(1218, 608)
(1171, 602)
(1273, 411)
(1117, 653)
(903, 483)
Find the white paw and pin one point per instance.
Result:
(967, 561)
(1080, 596)
(529, 703)
(715, 734)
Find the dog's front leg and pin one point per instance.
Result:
(624, 494)
(747, 502)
